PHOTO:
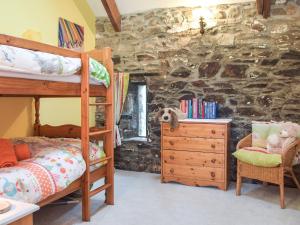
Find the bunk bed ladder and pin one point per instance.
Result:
(86, 134)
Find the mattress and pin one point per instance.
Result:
(15, 73)
(28, 64)
(54, 165)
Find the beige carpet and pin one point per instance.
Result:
(142, 200)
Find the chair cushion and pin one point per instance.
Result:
(258, 157)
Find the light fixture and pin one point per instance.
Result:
(203, 19)
(202, 25)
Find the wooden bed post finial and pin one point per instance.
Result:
(37, 122)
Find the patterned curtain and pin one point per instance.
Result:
(121, 89)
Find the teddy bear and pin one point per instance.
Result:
(288, 134)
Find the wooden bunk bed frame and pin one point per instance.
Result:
(17, 87)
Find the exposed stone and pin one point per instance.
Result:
(233, 102)
(292, 54)
(142, 57)
(225, 40)
(209, 69)
(248, 111)
(220, 15)
(199, 83)
(234, 12)
(269, 62)
(280, 2)
(291, 9)
(225, 112)
(258, 26)
(257, 85)
(265, 100)
(181, 72)
(235, 71)
(247, 61)
(279, 28)
(289, 72)
(218, 98)
(187, 96)
(257, 74)
(116, 59)
(229, 91)
(253, 75)
(155, 107)
(264, 54)
(178, 85)
(217, 57)
(278, 12)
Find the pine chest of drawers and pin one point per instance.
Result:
(195, 153)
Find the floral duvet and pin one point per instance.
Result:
(41, 63)
(54, 165)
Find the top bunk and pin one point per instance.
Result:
(23, 72)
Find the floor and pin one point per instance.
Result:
(142, 200)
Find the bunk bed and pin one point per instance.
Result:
(11, 86)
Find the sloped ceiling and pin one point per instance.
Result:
(133, 6)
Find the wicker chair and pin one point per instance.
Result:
(273, 175)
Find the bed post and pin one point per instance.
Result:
(109, 124)
(85, 135)
(37, 123)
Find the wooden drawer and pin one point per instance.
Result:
(202, 173)
(194, 144)
(193, 158)
(195, 130)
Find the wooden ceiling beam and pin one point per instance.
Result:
(263, 7)
(113, 13)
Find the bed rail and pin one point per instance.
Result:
(16, 87)
(36, 46)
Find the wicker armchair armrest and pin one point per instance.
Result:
(245, 142)
(289, 153)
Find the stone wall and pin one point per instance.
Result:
(250, 65)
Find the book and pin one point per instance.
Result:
(190, 109)
(195, 108)
(182, 106)
(199, 108)
(214, 105)
(205, 110)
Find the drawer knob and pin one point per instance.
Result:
(213, 131)
(212, 174)
(172, 170)
(213, 160)
(171, 142)
(213, 145)
(172, 157)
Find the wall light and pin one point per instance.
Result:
(202, 25)
(203, 18)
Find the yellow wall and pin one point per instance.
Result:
(38, 19)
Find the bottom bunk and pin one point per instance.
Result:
(55, 169)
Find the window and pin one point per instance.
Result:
(133, 124)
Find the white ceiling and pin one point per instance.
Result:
(133, 6)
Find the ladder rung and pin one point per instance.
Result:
(100, 103)
(100, 160)
(99, 189)
(99, 132)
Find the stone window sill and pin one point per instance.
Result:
(136, 139)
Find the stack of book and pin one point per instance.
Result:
(199, 109)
